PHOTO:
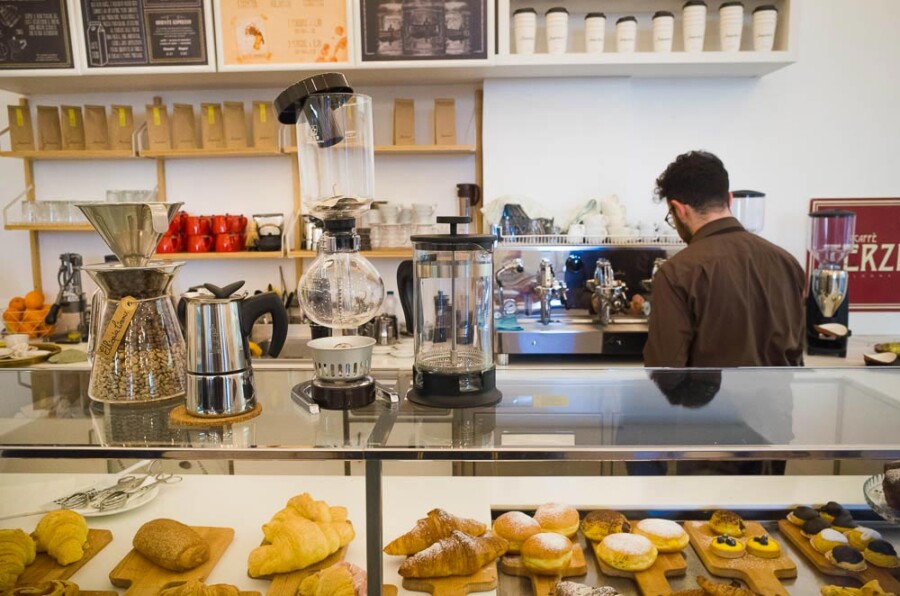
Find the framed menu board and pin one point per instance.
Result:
(166, 35)
(259, 35)
(34, 35)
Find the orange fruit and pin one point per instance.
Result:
(27, 327)
(36, 316)
(34, 299)
(17, 304)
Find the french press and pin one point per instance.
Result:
(454, 322)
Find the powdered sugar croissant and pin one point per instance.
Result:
(428, 530)
(458, 554)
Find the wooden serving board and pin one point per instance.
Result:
(388, 590)
(651, 581)
(45, 567)
(545, 585)
(287, 584)
(144, 578)
(888, 582)
(762, 575)
(483, 580)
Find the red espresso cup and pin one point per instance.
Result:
(229, 243)
(219, 224)
(199, 243)
(195, 225)
(236, 224)
(169, 243)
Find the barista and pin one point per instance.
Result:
(730, 298)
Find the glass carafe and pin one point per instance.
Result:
(136, 342)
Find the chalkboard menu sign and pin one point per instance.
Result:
(34, 34)
(144, 32)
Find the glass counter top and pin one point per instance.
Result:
(549, 414)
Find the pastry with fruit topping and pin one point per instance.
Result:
(764, 547)
(727, 547)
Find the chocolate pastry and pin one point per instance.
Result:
(891, 486)
(831, 508)
(805, 513)
(882, 547)
(814, 526)
(846, 554)
(844, 521)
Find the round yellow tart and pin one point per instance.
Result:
(727, 547)
(763, 547)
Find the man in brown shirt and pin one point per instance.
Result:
(730, 298)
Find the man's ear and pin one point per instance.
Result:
(680, 209)
(730, 200)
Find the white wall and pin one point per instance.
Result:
(827, 126)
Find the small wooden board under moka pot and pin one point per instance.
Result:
(545, 585)
(885, 577)
(483, 580)
(45, 567)
(762, 575)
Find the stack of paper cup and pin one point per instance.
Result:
(524, 29)
(731, 25)
(663, 31)
(594, 32)
(557, 30)
(765, 19)
(626, 35)
(694, 25)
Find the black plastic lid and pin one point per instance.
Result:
(663, 13)
(343, 225)
(290, 102)
(594, 15)
(694, 3)
(748, 194)
(453, 240)
(727, 4)
(833, 213)
(626, 19)
(765, 7)
(557, 9)
(524, 10)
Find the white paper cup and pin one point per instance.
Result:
(694, 25)
(731, 26)
(594, 32)
(557, 30)
(525, 30)
(626, 35)
(663, 31)
(765, 20)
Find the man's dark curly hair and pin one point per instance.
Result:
(695, 178)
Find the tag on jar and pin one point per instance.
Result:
(116, 328)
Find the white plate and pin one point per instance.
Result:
(129, 505)
(4, 352)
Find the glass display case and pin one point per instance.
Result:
(635, 439)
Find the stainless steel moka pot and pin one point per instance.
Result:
(217, 326)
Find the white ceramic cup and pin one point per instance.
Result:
(594, 32)
(731, 26)
(663, 31)
(576, 234)
(424, 208)
(765, 20)
(525, 30)
(694, 25)
(16, 339)
(406, 215)
(389, 213)
(557, 19)
(626, 35)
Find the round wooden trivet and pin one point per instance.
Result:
(180, 417)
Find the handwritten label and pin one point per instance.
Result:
(156, 119)
(116, 328)
(20, 120)
(122, 121)
(211, 114)
(72, 121)
(262, 113)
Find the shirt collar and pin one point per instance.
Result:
(716, 226)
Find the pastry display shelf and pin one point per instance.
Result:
(72, 155)
(379, 253)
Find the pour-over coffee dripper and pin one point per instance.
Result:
(131, 230)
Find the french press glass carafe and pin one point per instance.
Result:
(454, 324)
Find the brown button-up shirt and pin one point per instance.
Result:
(730, 298)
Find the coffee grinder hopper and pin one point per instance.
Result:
(131, 230)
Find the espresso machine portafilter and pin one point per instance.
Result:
(827, 307)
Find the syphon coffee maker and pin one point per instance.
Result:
(341, 289)
(831, 236)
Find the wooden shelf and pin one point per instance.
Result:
(35, 227)
(244, 255)
(381, 253)
(70, 155)
(210, 153)
(414, 150)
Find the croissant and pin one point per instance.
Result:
(198, 588)
(303, 533)
(873, 588)
(458, 554)
(62, 534)
(341, 579)
(53, 587)
(716, 589)
(437, 525)
(17, 550)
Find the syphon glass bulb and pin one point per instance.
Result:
(341, 290)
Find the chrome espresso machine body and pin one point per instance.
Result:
(558, 299)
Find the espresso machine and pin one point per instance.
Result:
(831, 236)
(69, 312)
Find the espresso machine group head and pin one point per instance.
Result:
(827, 306)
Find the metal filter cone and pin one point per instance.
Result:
(131, 230)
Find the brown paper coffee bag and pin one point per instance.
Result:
(21, 134)
(444, 122)
(212, 127)
(184, 127)
(49, 133)
(404, 122)
(265, 125)
(158, 137)
(235, 125)
(96, 128)
(72, 127)
(121, 127)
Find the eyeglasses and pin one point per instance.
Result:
(670, 219)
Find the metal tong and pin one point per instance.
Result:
(119, 498)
